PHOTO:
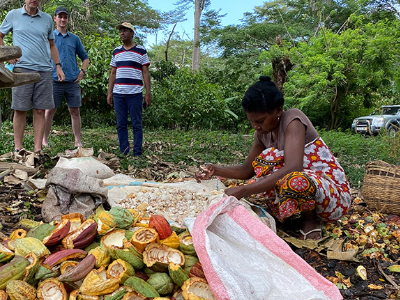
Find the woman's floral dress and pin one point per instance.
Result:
(322, 185)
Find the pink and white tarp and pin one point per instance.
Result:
(243, 258)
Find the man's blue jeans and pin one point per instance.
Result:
(124, 103)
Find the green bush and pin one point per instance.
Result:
(186, 100)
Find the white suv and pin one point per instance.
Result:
(387, 117)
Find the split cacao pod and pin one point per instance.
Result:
(197, 289)
(57, 234)
(143, 237)
(80, 270)
(186, 243)
(51, 289)
(82, 237)
(60, 256)
(157, 257)
(120, 269)
(20, 290)
(96, 283)
(177, 274)
(5, 254)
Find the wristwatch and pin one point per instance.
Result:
(58, 64)
(84, 71)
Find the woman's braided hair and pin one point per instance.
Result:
(263, 96)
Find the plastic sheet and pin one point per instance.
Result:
(243, 258)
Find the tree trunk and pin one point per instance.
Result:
(199, 5)
(169, 38)
(281, 66)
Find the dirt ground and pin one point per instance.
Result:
(376, 254)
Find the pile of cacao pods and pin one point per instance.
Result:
(112, 255)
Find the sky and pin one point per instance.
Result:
(234, 10)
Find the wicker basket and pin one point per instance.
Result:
(381, 187)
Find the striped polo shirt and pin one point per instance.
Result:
(129, 64)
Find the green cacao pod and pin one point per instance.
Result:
(161, 282)
(32, 268)
(122, 217)
(30, 244)
(186, 244)
(20, 290)
(5, 254)
(190, 260)
(117, 295)
(129, 255)
(41, 231)
(141, 286)
(177, 274)
(14, 270)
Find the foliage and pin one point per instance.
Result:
(336, 75)
(186, 99)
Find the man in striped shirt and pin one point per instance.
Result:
(129, 70)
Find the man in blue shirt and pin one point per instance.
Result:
(69, 46)
(33, 32)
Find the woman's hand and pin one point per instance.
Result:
(205, 172)
(238, 191)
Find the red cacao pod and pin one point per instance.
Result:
(161, 225)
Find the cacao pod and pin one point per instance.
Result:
(80, 270)
(81, 237)
(171, 241)
(177, 274)
(190, 260)
(117, 294)
(186, 243)
(197, 271)
(17, 234)
(102, 256)
(32, 268)
(141, 286)
(51, 289)
(130, 255)
(96, 283)
(13, 270)
(157, 257)
(113, 240)
(40, 231)
(123, 217)
(142, 237)
(76, 220)
(161, 225)
(60, 256)
(5, 254)
(120, 269)
(197, 289)
(20, 290)
(30, 244)
(105, 222)
(57, 234)
(143, 222)
(161, 282)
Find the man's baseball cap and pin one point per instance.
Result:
(60, 10)
(126, 25)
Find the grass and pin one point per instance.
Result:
(195, 147)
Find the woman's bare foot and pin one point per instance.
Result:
(310, 228)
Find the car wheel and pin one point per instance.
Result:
(392, 130)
